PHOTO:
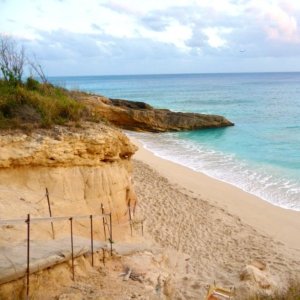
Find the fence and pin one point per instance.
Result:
(107, 231)
(29, 221)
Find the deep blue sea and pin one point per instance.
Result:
(260, 154)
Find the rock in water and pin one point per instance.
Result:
(139, 116)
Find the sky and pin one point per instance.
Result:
(102, 37)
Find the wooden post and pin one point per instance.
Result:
(92, 240)
(103, 220)
(28, 256)
(50, 213)
(72, 248)
(103, 254)
(111, 240)
(130, 220)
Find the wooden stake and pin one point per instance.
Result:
(92, 240)
(130, 220)
(103, 220)
(111, 240)
(50, 213)
(28, 256)
(72, 247)
(103, 254)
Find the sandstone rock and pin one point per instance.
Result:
(81, 167)
(140, 116)
(259, 264)
(61, 147)
(253, 274)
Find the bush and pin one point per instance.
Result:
(33, 103)
(32, 84)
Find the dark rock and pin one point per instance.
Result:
(130, 104)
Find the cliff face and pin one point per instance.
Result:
(91, 145)
(81, 168)
(140, 116)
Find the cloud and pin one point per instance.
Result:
(63, 52)
(157, 34)
(123, 8)
(279, 21)
(199, 40)
(264, 30)
(155, 23)
(96, 27)
(61, 44)
(161, 38)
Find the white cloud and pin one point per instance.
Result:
(175, 34)
(279, 19)
(184, 30)
(214, 36)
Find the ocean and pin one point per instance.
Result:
(260, 154)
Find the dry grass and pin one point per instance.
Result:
(33, 105)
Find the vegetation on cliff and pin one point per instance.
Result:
(33, 104)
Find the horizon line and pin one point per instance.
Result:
(164, 74)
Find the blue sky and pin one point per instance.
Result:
(72, 37)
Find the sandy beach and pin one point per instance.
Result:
(221, 227)
(197, 231)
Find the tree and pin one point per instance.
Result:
(37, 68)
(12, 60)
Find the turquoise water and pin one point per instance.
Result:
(260, 154)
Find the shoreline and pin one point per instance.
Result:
(281, 224)
(226, 181)
(277, 187)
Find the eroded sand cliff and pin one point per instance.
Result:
(81, 167)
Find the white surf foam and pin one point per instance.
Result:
(263, 181)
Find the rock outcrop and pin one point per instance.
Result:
(91, 145)
(140, 116)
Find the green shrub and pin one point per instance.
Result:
(32, 84)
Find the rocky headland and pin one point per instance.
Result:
(140, 116)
